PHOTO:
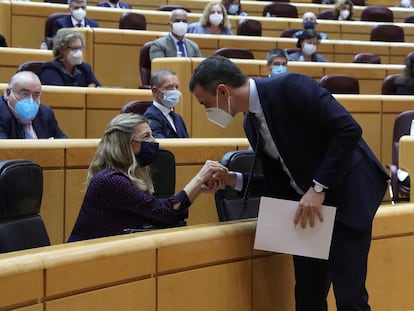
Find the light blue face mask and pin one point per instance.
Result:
(26, 109)
(233, 9)
(277, 70)
(170, 98)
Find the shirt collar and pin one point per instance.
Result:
(75, 22)
(165, 111)
(254, 101)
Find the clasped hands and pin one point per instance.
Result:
(212, 176)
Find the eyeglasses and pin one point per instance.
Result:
(74, 48)
(23, 94)
(79, 7)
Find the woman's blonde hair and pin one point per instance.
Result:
(115, 151)
(205, 21)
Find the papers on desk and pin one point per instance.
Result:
(276, 231)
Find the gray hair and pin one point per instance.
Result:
(77, 1)
(156, 77)
(276, 53)
(62, 39)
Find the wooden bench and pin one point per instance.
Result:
(158, 270)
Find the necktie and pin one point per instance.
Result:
(181, 48)
(256, 127)
(29, 131)
(78, 25)
(181, 132)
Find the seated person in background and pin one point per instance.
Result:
(164, 122)
(3, 42)
(214, 20)
(21, 113)
(174, 44)
(309, 22)
(307, 43)
(405, 4)
(77, 18)
(120, 191)
(343, 10)
(233, 7)
(277, 60)
(114, 4)
(404, 83)
(68, 69)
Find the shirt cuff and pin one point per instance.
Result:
(319, 184)
(239, 182)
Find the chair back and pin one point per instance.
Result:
(145, 65)
(163, 174)
(388, 85)
(402, 126)
(359, 2)
(326, 14)
(249, 27)
(50, 20)
(377, 14)
(33, 66)
(235, 53)
(280, 9)
(409, 18)
(387, 33)
(21, 190)
(368, 58)
(172, 7)
(239, 161)
(135, 21)
(136, 106)
(289, 32)
(340, 84)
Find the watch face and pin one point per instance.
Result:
(318, 188)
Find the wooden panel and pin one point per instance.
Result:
(406, 156)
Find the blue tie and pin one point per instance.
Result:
(181, 48)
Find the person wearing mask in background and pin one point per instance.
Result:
(77, 17)
(68, 69)
(277, 60)
(164, 122)
(309, 21)
(405, 4)
(307, 43)
(343, 10)
(233, 7)
(120, 190)
(213, 21)
(174, 44)
(22, 115)
(114, 4)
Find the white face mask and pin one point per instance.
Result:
(75, 57)
(216, 19)
(308, 49)
(79, 14)
(179, 28)
(219, 116)
(406, 3)
(344, 14)
(233, 9)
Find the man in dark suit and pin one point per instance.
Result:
(164, 122)
(77, 18)
(21, 113)
(114, 4)
(174, 44)
(311, 151)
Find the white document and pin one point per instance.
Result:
(276, 231)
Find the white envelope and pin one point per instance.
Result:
(276, 231)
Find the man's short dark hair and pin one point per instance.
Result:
(216, 70)
(276, 53)
(307, 34)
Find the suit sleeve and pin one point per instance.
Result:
(157, 50)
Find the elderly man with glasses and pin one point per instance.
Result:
(22, 116)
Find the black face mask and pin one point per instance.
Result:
(149, 152)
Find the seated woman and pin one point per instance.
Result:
(120, 191)
(343, 10)
(307, 43)
(233, 7)
(68, 69)
(213, 20)
(404, 83)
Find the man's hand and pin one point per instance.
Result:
(309, 207)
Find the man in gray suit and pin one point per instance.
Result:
(174, 44)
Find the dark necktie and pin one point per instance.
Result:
(78, 25)
(181, 48)
(256, 127)
(181, 132)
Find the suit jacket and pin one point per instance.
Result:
(122, 5)
(66, 22)
(161, 127)
(318, 140)
(166, 47)
(44, 123)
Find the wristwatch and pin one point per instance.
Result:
(318, 188)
